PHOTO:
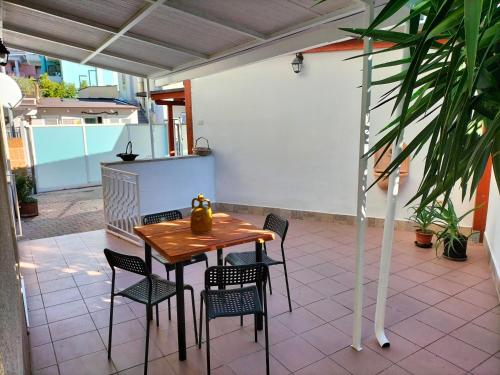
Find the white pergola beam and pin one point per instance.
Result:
(102, 27)
(65, 43)
(137, 18)
(229, 25)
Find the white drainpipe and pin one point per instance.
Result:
(364, 144)
(385, 257)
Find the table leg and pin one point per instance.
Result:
(258, 258)
(181, 318)
(147, 258)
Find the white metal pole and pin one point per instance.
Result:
(148, 103)
(385, 257)
(364, 144)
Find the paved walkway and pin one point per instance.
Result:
(66, 212)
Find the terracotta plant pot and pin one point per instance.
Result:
(423, 239)
(455, 250)
(28, 209)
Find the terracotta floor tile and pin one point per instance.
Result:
(365, 362)
(306, 276)
(328, 287)
(300, 320)
(37, 317)
(71, 327)
(277, 332)
(85, 278)
(392, 315)
(462, 278)
(488, 367)
(416, 275)
(92, 364)
(34, 302)
(296, 353)
(158, 366)
(458, 352)
(124, 332)
(304, 295)
(427, 363)
(235, 345)
(399, 347)
(61, 296)
(42, 356)
(345, 325)
(52, 275)
(328, 309)
(416, 332)
(400, 284)
(479, 337)
(327, 269)
(394, 370)
(432, 268)
(489, 321)
(406, 304)
(439, 319)
(307, 261)
(55, 285)
(327, 339)
(325, 366)
(462, 309)
(347, 299)
(95, 289)
(65, 311)
(478, 298)
(132, 353)
(121, 313)
(51, 370)
(39, 335)
(255, 364)
(425, 294)
(196, 361)
(77, 346)
(445, 286)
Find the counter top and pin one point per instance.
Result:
(168, 158)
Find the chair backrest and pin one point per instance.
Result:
(235, 275)
(128, 263)
(277, 224)
(161, 216)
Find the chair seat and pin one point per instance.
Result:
(248, 257)
(161, 290)
(232, 302)
(171, 267)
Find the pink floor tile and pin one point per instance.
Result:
(77, 346)
(92, 364)
(328, 309)
(460, 308)
(489, 321)
(365, 362)
(324, 366)
(39, 335)
(65, 311)
(255, 364)
(488, 367)
(70, 327)
(439, 319)
(300, 320)
(399, 347)
(427, 363)
(42, 356)
(458, 352)
(478, 298)
(296, 353)
(425, 294)
(479, 337)
(327, 339)
(416, 332)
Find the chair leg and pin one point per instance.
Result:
(147, 347)
(266, 333)
(194, 317)
(157, 316)
(241, 316)
(201, 322)
(208, 343)
(169, 309)
(270, 286)
(110, 332)
(287, 288)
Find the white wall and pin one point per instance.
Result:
(291, 140)
(492, 232)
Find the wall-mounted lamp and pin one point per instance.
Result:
(4, 54)
(297, 63)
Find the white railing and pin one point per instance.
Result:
(120, 190)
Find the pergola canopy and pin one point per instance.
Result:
(171, 40)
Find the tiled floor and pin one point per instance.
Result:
(442, 317)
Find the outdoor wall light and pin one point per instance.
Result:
(297, 63)
(4, 54)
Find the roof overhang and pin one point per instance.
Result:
(174, 40)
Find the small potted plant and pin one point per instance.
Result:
(28, 205)
(454, 242)
(423, 218)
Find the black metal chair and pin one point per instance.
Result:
(170, 216)
(150, 291)
(236, 301)
(279, 226)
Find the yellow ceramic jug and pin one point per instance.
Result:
(201, 215)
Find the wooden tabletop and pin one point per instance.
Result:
(175, 241)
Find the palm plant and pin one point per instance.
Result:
(453, 77)
(424, 217)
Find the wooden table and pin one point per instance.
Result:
(175, 241)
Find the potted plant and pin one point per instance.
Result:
(28, 205)
(423, 218)
(454, 242)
